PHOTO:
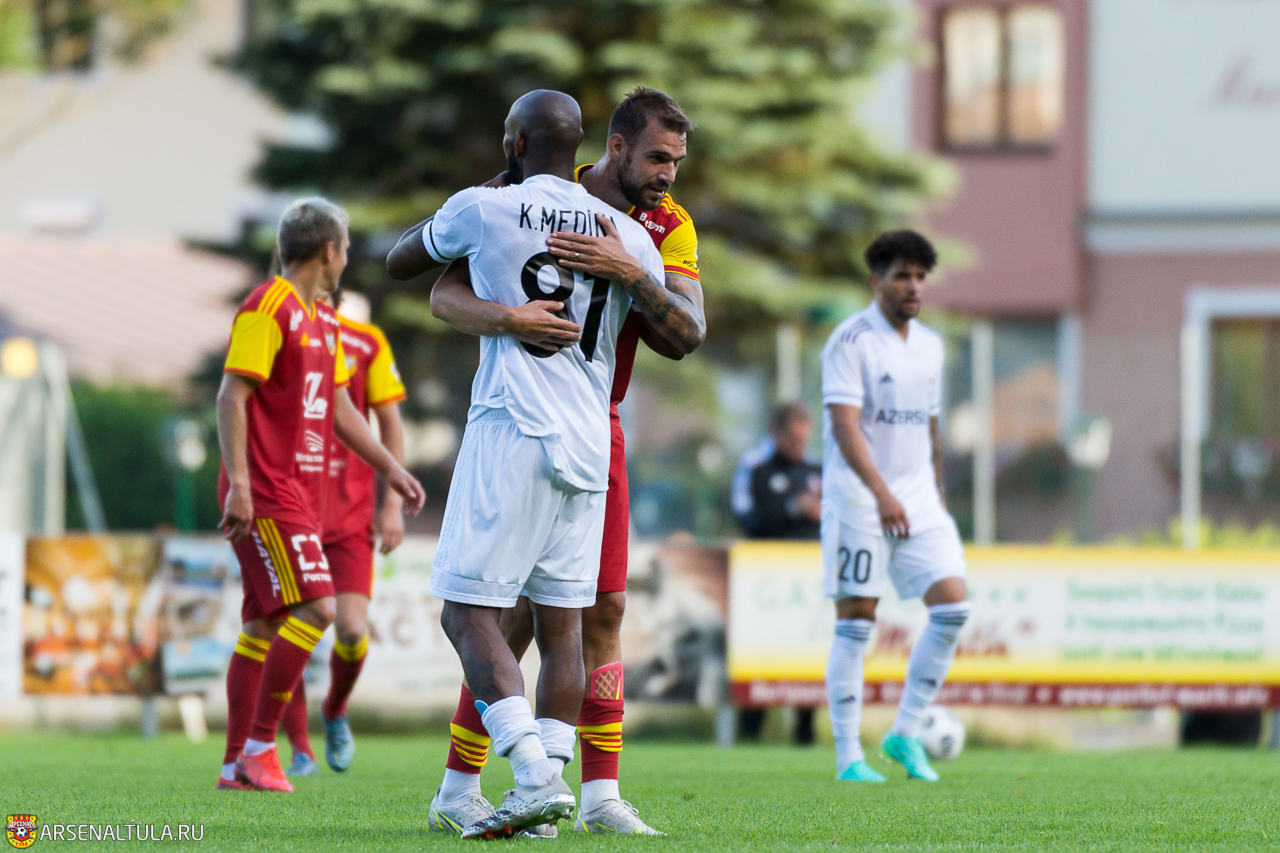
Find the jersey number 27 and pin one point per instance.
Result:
(563, 293)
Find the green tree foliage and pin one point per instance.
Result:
(784, 184)
(55, 35)
(124, 431)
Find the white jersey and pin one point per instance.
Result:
(561, 398)
(898, 386)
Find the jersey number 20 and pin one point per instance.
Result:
(599, 297)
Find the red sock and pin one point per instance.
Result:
(281, 671)
(295, 721)
(600, 724)
(469, 744)
(243, 676)
(344, 668)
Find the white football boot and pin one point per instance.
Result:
(457, 815)
(524, 808)
(614, 817)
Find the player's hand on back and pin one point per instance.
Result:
(893, 518)
(538, 323)
(603, 257)
(407, 487)
(390, 525)
(237, 515)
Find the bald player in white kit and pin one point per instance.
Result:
(883, 516)
(525, 511)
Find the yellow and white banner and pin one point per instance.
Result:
(1050, 626)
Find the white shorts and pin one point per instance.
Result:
(856, 562)
(511, 524)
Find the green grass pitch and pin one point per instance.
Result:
(748, 798)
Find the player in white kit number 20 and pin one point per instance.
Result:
(525, 511)
(883, 515)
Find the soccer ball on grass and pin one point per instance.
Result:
(941, 734)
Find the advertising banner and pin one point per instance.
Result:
(92, 615)
(12, 554)
(200, 606)
(672, 634)
(1076, 627)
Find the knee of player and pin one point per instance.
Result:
(455, 620)
(349, 630)
(857, 608)
(951, 615)
(605, 617)
(320, 611)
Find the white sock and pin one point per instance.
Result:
(458, 785)
(845, 686)
(257, 747)
(929, 664)
(529, 763)
(516, 737)
(596, 792)
(229, 771)
(558, 739)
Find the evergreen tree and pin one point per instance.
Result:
(783, 184)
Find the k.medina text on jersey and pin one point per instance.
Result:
(550, 221)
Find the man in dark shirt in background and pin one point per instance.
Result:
(778, 486)
(777, 494)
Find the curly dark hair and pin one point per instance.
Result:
(641, 104)
(905, 245)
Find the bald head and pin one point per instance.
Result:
(543, 132)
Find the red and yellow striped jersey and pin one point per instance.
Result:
(295, 355)
(375, 381)
(672, 231)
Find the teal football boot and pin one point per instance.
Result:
(339, 745)
(909, 752)
(303, 765)
(859, 771)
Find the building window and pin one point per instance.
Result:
(1246, 381)
(1002, 76)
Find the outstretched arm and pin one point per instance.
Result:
(391, 516)
(409, 258)
(673, 308)
(454, 301)
(353, 431)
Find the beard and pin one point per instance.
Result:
(643, 196)
(515, 171)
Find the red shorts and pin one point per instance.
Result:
(617, 515)
(282, 565)
(351, 561)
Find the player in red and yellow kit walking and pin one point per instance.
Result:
(647, 135)
(282, 400)
(349, 529)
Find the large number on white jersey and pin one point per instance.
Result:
(313, 405)
(563, 293)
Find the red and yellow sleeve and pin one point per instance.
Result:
(255, 340)
(382, 383)
(680, 249)
(341, 376)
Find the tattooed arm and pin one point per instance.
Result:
(673, 308)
